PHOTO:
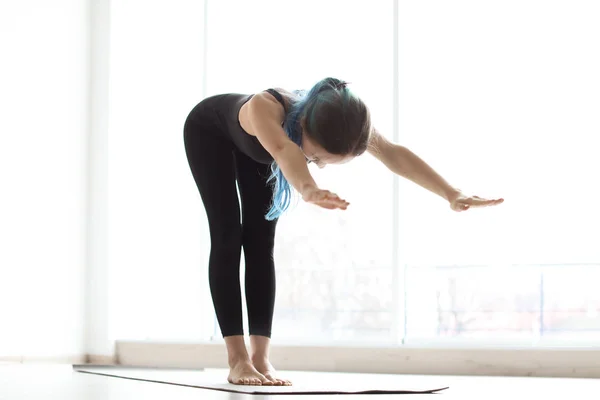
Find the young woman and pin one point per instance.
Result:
(264, 142)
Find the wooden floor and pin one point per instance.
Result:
(60, 382)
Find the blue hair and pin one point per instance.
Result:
(282, 190)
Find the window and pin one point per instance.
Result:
(334, 269)
(499, 98)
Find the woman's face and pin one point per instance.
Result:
(317, 155)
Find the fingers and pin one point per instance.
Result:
(335, 199)
(332, 205)
(466, 203)
(477, 201)
(328, 200)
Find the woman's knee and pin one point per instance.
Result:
(259, 233)
(226, 237)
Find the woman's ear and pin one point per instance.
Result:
(302, 120)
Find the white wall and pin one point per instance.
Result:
(43, 128)
(97, 313)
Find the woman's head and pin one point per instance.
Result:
(330, 124)
(335, 124)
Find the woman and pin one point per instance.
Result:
(264, 142)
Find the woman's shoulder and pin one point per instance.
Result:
(279, 95)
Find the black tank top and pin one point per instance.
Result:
(223, 111)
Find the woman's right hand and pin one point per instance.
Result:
(324, 198)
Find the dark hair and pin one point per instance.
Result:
(334, 118)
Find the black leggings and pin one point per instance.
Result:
(216, 164)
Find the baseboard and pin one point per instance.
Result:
(101, 359)
(78, 359)
(563, 363)
(75, 359)
(11, 359)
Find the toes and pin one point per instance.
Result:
(249, 381)
(274, 381)
(267, 382)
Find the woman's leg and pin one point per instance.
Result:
(212, 164)
(258, 240)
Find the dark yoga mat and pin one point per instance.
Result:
(305, 383)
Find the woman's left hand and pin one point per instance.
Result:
(461, 202)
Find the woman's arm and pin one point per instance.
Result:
(401, 161)
(407, 164)
(264, 117)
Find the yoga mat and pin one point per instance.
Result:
(304, 383)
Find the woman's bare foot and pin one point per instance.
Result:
(260, 359)
(244, 373)
(266, 369)
(241, 370)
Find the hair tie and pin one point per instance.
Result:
(341, 85)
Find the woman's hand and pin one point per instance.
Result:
(323, 198)
(461, 202)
